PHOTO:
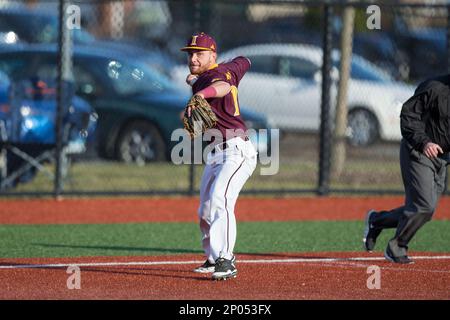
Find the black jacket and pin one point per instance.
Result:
(425, 117)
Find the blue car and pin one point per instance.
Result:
(30, 114)
(4, 84)
(27, 125)
(25, 25)
(20, 25)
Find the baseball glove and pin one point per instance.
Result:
(202, 116)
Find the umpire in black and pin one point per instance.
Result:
(424, 156)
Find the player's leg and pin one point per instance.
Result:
(234, 173)
(387, 219)
(424, 182)
(204, 211)
(426, 187)
(376, 221)
(390, 219)
(227, 220)
(222, 222)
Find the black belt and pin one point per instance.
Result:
(225, 145)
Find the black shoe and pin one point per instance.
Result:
(401, 259)
(224, 269)
(370, 233)
(207, 267)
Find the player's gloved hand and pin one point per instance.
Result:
(198, 116)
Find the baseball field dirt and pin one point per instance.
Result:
(43, 238)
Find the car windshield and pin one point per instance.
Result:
(129, 79)
(365, 71)
(362, 70)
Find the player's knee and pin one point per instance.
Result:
(427, 210)
(424, 213)
(424, 209)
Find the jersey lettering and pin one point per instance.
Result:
(234, 93)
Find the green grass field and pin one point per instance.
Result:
(113, 176)
(22, 241)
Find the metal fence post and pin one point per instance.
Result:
(197, 28)
(58, 122)
(63, 94)
(325, 123)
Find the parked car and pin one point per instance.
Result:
(22, 25)
(284, 83)
(27, 126)
(138, 108)
(35, 26)
(426, 51)
(381, 49)
(4, 85)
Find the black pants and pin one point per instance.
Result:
(423, 180)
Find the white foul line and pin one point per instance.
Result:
(262, 261)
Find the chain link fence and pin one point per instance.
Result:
(128, 91)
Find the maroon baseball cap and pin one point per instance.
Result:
(200, 41)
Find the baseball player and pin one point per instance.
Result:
(231, 161)
(424, 156)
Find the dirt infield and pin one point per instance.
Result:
(261, 277)
(184, 209)
(278, 276)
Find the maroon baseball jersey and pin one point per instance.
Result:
(226, 108)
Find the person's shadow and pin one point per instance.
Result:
(146, 270)
(149, 270)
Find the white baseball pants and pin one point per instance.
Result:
(225, 174)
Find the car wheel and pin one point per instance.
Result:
(140, 142)
(362, 127)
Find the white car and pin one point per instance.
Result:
(284, 84)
